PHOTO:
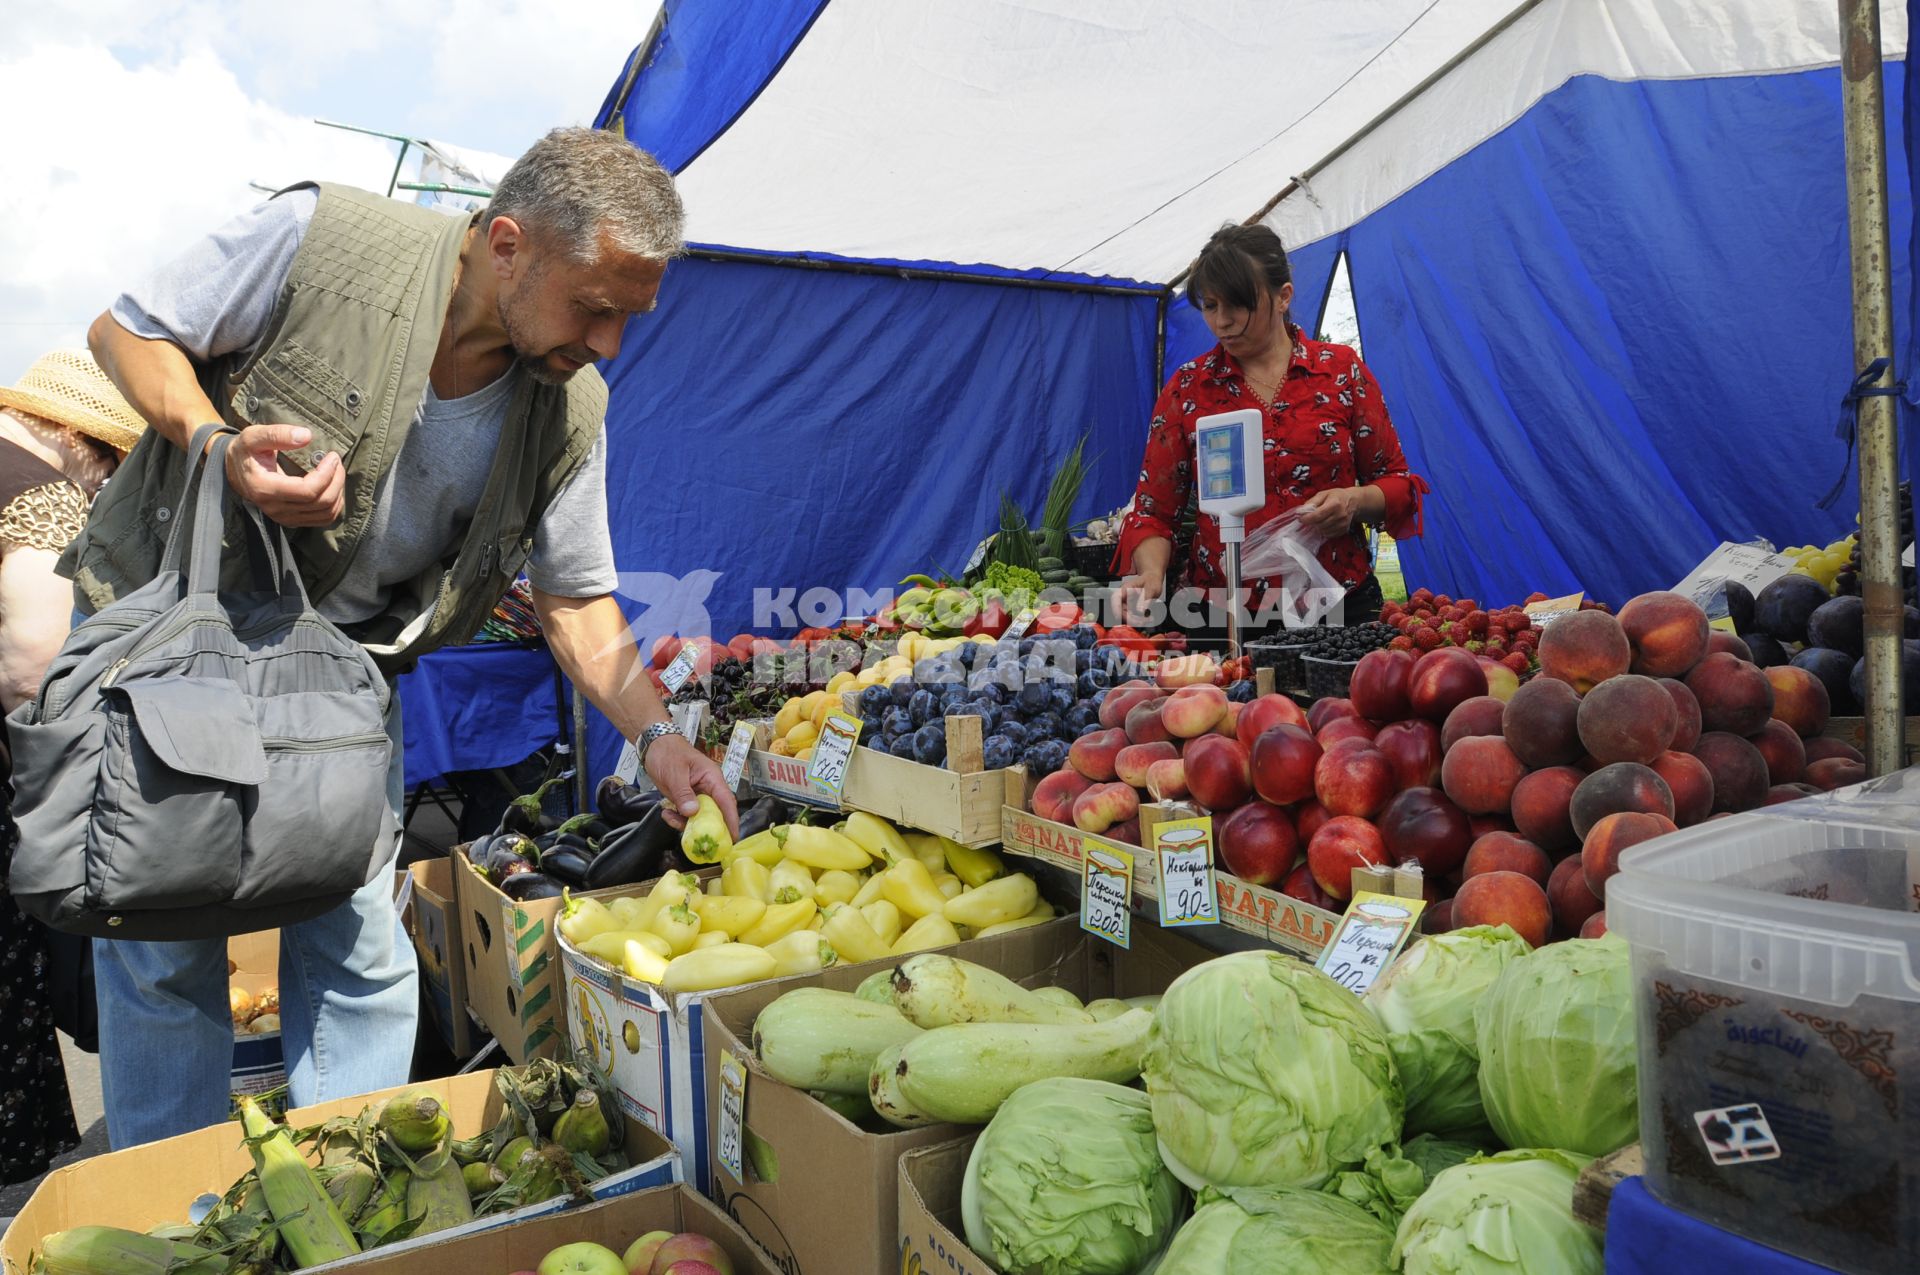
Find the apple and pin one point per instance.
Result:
(639, 1254)
(1258, 842)
(582, 1259)
(688, 1247)
(691, 1267)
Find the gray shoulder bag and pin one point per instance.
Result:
(200, 764)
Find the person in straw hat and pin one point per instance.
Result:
(63, 430)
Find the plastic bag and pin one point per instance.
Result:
(1286, 552)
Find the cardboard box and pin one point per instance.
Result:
(932, 1237)
(259, 1059)
(146, 1186)
(433, 919)
(835, 1187)
(1285, 922)
(612, 1223)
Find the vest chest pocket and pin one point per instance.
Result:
(292, 384)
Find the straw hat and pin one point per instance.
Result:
(68, 388)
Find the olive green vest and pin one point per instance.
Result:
(347, 354)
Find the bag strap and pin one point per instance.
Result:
(268, 551)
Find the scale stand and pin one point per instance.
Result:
(1231, 473)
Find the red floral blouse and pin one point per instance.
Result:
(1326, 428)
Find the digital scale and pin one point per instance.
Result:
(1230, 474)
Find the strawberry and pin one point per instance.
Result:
(1458, 633)
(1517, 661)
(1467, 604)
(1401, 643)
(1443, 601)
(1478, 621)
(1426, 639)
(1476, 646)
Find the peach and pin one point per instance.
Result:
(1437, 919)
(1103, 805)
(1262, 714)
(1627, 718)
(1218, 776)
(1734, 695)
(1799, 699)
(1258, 843)
(1483, 824)
(1346, 728)
(1600, 854)
(1668, 633)
(1506, 898)
(1095, 755)
(1786, 756)
(1781, 794)
(1301, 885)
(1308, 818)
(1166, 780)
(1283, 763)
(1053, 797)
(1379, 685)
(1229, 723)
(1622, 786)
(1691, 784)
(1179, 671)
(1542, 723)
(1481, 715)
(1836, 772)
(1342, 844)
(1584, 649)
(1145, 723)
(1502, 682)
(1686, 731)
(1480, 773)
(1443, 680)
(1130, 763)
(1506, 852)
(1573, 901)
(1596, 926)
(1542, 808)
(1194, 710)
(1739, 771)
(1123, 699)
(1822, 747)
(1127, 832)
(1720, 642)
(1414, 749)
(1326, 710)
(1422, 825)
(1354, 782)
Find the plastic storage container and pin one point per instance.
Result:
(1775, 958)
(1284, 658)
(1328, 679)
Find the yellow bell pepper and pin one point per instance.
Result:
(581, 919)
(1007, 927)
(709, 938)
(715, 888)
(869, 890)
(876, 836)
(835, 886)
(712, 968)
(950, 886)
(760, 847)
(745, 878)
(731, 917)
(629, 911)
(821, 848)
(801, 952)
(1043, 911)
(819, 921)
(669, 891)
(852, 935)
(643, 963)
(909, 888)
(926, 934)
(780, 920)
(705, 839)
(611, 947)
(975, 865)
(679, 925)
(790, 875)
(884, 918)
(927, 848)
(1007, 899)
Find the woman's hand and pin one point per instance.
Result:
(1332, 512)
(1138, 593)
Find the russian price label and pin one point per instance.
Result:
(675, 675)
(1106, 890)
(1371, 934)
(739, 744)
(827, 768)
(733, 1113)
(1187, 892)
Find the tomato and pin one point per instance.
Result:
(1055, 616)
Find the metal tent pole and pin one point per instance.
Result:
(1863, 103)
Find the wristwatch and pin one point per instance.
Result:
(657, 731)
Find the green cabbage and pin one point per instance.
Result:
(1392, 1178)
(1066, 1180)
(1284, 1230)
(1436, 1155)
(1425, 1001)
(1558, 1061)
(1265, 1072)
(1506, 1214)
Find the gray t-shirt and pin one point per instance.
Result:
(217, 298)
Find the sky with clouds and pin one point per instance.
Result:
(128, 127)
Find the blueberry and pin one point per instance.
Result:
(901, 690)
(1015, 731)
(930, 746)
(1090, 683)
(1034, 697)
(897, 721)
(1241, 692)
(1082, 713)
(924, 707)
(875, 699)
(902, 747)
(998, 752)
(1060, 698)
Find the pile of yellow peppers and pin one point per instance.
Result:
(797, 898)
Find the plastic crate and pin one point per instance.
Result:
(1775, 958)
(1328, 679)
(1284, 658)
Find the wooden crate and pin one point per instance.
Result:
(1853, 730)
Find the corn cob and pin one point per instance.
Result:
(387, 1210)
(309, 1221)
(439, 1199)
(416, 1121)
(108, 1250)
(583, 1127)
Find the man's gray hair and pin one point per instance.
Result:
(577, 183)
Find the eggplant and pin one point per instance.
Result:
(760, 816)
(524, 815)
(620, 803)
(477, 851)
(567, 866)
(523, 887)
(595, 829)
(508, 855)
(571, 841)
(635, 853)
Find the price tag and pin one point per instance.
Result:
(1021, 623)
(1545, 613)
(1106, 889)
(1371, 934)
(1906, 559)
(733, 1113)
(1187, 893)
(675, 675)
(739, 744)
(1752, 566)
(691, 719)
(827, 768)
(627, 769)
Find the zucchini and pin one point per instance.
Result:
(877, 988)
(813, 1038)
(1059, 996)
(963, 1073)
(883, 1091)
(935, 991)
(1050, 563)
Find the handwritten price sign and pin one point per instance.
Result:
(827, 768)
(1106, 890)
(739, 744)
(1371, 934)
(733, 1112)
(1187, 892)
(675, 675)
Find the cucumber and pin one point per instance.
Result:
(813, 1038)
(964, 1072)
(1050, 564)
(1055, 577)
(932, 990)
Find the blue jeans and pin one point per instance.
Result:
(349, 1004)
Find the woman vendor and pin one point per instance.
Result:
(1333, 458)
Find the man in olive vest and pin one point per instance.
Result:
(416, 406)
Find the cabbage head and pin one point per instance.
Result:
(1436, 1155)
(1264, 1072)
(1426, 1001)
(1284, 1230)
(1558, 1056)
(1066, 1180)
(1506, 1214)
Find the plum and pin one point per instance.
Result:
(1784, 608)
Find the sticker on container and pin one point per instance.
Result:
(1187, 892)
(733, 1113)
(827, 768)
(1737, 1135)
(1371, 934)
(738, 746)
(676, 674)
(1021, 623)
(1106, 888)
